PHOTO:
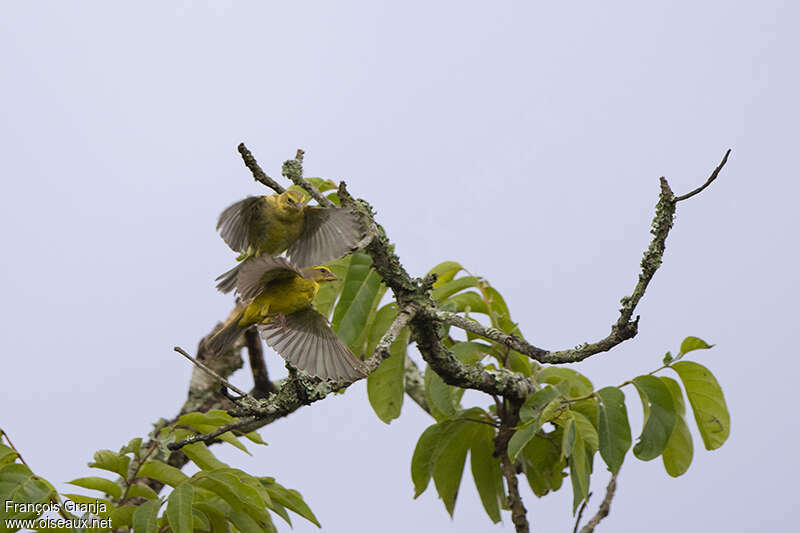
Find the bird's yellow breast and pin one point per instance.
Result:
(275, 228)
(284, 296)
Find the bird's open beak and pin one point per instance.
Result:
(331, 277)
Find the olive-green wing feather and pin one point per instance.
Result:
(328, 234)
(234, 223)
(310, 345)
(251, 276)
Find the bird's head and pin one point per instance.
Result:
(291, 200)
(319, 273)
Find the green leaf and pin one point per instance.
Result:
(253, 436)
(145, 518)
(660, 417)
(380, 325)
(200, 455)
(579, 385)
(328, 292)
(707, 401)
(585, 430)
(214, 515)
(358, 299)
(138, 490)
(469, 352)
(18, 484)
(445, 272)
(543, 464)
(531, 413)
(133, 446)
(322, 184)
(98, 483)
(486, 471)
(247, 524)
(521, 438)
(579, 473)
(179, 508)
(445, 290)
(289, 498)
(615, 430)
(501, 318)
(7, 455)
(519, 363)
(552, 410)
(200, 522)
(233, 440)
(122, 516)
(169, 475)
(693, 343)
(589, 408)
(99, 503)
(111, 461)
(449, 468)
(385, 386)
(240, 490)
(442, 398)
(429, 447)
(469, 302)
(569, 438)
(677, 456)
(215, 418)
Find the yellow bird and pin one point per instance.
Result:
(283, 222)
(277, 295)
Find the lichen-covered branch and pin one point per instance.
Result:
(293, 170)
(605, 507)
(415, 384)
(382, 349)
(258, 174)
(624, 328)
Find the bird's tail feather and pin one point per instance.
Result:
(227, 335)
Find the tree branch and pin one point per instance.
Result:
(262, 386)
(509, 418)
(605, 506)
(414, 384)
(382, 349)
(293, 170)
(208, 371)
(258, 174)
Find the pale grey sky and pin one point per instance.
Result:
(523, 139)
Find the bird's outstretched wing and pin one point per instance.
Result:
(307, 342)
(234, 222)
(251, 275)
(328, 234)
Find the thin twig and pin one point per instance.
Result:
(708, 181)
(605, 506)
(580, 513)
(479, 421)
(208, 371)
(209, 437)
(258, 174)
